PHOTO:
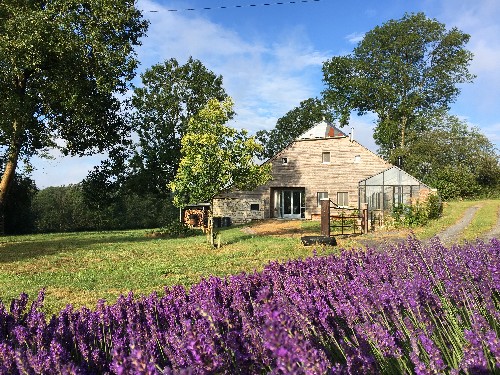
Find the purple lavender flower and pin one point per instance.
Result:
(410, 308)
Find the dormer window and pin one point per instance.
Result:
(326, 157)
(284, 161)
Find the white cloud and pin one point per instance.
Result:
(480, 99)
(480, 20)
(492, 132)
(265, 79)
(355, 38)
(62, 170)
(363, 130)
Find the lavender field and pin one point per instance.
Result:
(410, 308)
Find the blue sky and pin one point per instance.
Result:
(270, 57)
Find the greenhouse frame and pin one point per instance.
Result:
(390, 188)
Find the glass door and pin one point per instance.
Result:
(292, 204)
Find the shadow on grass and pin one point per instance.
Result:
(15, 251)
(231, 235)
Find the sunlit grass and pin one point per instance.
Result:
(484, 220)
(81, 268)
(452, 212)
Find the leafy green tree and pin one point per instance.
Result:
(454, 158)
(216, 158)
(169, 96)
(61, 209)
(400, 71)
(62, 65)
(66, 209)
(293, 124)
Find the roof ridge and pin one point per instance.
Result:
(322, 129)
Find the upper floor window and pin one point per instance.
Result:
(284, 161)
(325, 157)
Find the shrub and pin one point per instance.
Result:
(419, 213)
(176, 229)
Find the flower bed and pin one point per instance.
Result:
(407, 309)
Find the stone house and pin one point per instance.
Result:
(323, 162)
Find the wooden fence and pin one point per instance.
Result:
(342, 221)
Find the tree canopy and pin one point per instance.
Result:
(401, 70)
(62, 65)
(294, 123)
(161, 107)
(454, 158)
(216, 157)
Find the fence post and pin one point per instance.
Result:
(325, 217)
(364, 220)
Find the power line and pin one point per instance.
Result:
(241, 6)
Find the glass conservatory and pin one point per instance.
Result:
(390, 188)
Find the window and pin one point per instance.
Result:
(326, 157)
(357, 159)
(254, 207)
(322, 195)
(343, 199)
(397, 195)
(284, 161)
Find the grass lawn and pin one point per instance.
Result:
(81, 268)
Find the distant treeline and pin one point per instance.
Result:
(68, 209)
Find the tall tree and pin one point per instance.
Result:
(62, 64)
(169, 96)
(399, 71)
(216, 158)
(292, 125)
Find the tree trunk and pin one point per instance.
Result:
(8, 175)
(10, 169)
(211, 223)
(16, 143)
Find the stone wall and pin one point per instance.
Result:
(240, 210)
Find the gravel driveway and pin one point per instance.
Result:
(450, 234)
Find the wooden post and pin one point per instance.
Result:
(325, 217)
(364, 220)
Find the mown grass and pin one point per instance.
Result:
(485, 219)
(81, 268)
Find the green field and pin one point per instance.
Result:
(81, 268)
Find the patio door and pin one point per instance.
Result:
(291, 203)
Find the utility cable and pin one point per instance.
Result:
(241, 6)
